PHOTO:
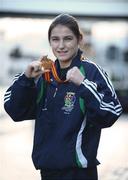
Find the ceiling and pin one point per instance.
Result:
(93, 8)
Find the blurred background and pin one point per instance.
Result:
(23, 38)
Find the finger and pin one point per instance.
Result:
(69, 75)
(37, 68)
(44, 70)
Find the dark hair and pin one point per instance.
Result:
(68, 21)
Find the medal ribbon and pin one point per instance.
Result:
(55, 75)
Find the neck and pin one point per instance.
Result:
(66, 64)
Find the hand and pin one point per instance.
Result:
(74, 75)
(34, 70)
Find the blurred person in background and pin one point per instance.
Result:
(70, 104)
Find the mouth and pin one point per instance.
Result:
(62, 53)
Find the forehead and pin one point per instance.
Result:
(61, 30)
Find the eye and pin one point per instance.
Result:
(54, 39)
(68, 38)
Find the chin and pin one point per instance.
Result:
(63, 58)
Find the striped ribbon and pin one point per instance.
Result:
(54, 72)
(55, 75)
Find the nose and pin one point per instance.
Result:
(61, 44)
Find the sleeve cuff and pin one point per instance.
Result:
(26, 82)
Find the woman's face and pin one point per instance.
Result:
(64, 44)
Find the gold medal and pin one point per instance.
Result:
(47, 63)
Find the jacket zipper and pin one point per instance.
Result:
(55, 92)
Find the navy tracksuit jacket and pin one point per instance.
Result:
(68, 118)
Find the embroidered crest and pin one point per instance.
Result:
(69, 101)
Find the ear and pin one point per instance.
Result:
(80, 41)
(80, 38)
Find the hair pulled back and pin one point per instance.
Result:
(68, 21)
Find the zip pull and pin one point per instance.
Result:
(55, 92)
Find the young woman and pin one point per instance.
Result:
(69, 110)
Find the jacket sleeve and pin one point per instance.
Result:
(102, 105)
(20, 99)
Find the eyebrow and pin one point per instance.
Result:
(55, 36)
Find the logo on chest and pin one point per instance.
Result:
(69, 101)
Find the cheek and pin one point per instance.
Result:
(73, 45)
(53, 50)
(53, 46)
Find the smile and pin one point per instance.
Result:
(62, 52)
